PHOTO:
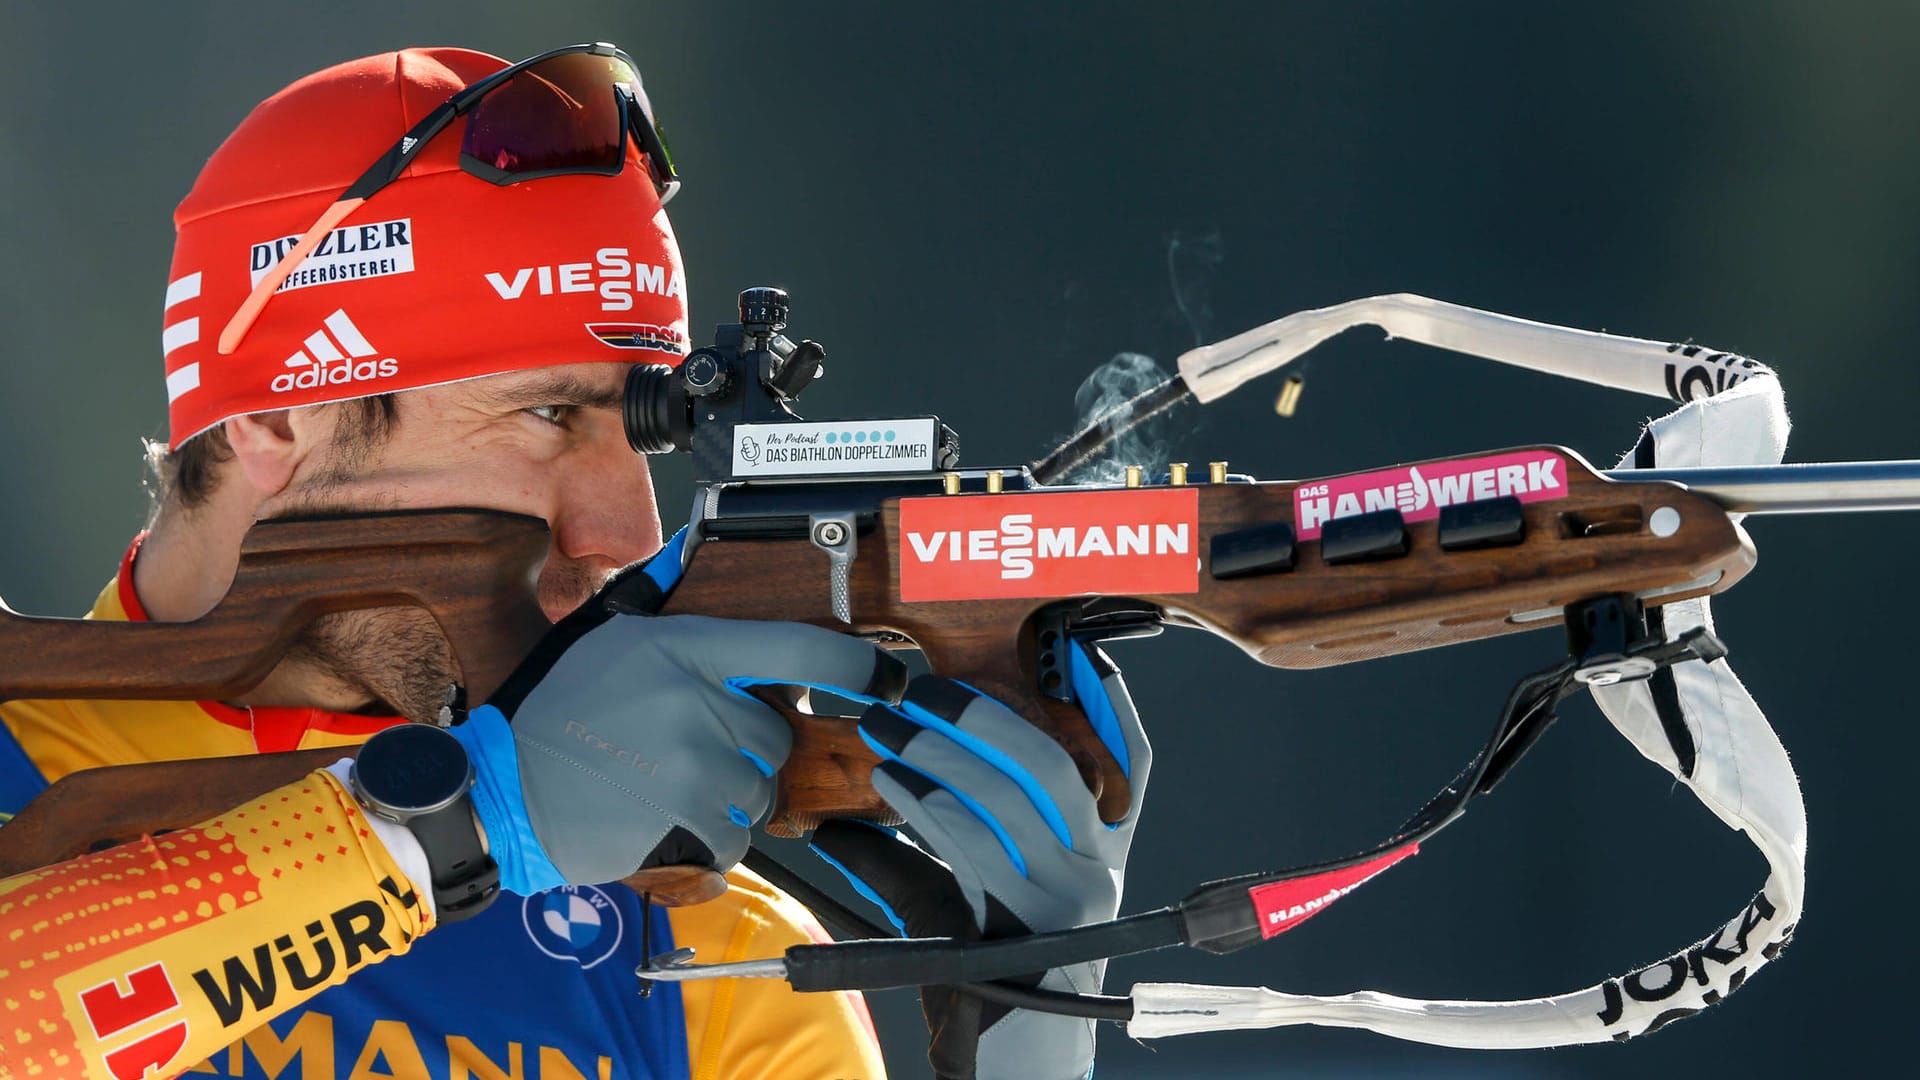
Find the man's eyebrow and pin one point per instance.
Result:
(564, 390)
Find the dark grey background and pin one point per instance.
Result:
(974, 207)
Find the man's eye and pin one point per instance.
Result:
(556, 415)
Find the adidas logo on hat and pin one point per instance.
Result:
(340, 343)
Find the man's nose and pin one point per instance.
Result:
(604, 515)
(608, 514)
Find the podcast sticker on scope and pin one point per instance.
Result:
(841, 446)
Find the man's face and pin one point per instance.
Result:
(547, 442)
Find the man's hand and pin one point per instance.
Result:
(1024, 845)
(627, 741)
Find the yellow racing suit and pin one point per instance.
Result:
(282, 940)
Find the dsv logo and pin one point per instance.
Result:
(332, 356)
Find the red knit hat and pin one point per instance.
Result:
(440, 276)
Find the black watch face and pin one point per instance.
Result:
(412, 768)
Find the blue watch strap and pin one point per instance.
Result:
(525, 868)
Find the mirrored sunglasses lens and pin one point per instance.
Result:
(561, 115)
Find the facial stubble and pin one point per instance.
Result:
(395, 659)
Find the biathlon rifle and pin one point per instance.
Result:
(871, 527)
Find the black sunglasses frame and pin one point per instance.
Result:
(634, 117)
(395, 161)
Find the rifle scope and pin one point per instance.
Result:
(748, 375)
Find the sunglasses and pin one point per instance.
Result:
(560, 113)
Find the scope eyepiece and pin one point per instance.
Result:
(656, 410)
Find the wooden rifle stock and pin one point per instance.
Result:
(474, 571)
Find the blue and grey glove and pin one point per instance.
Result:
(627, 741)
(1024, 848)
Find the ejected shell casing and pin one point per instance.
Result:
(1289, 398)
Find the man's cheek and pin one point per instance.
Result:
(396, 654)
(566, 583)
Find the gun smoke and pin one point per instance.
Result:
(1103, 395)
(1193, 261)
(1108, 395)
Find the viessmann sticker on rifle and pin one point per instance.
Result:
(841, 446)
(1069, 543)
(1419, 491)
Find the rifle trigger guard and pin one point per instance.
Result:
(1089, 622)
(838, 536)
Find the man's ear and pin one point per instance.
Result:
(268, 448)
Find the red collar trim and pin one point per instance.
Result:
(130, 600)
(274, 728)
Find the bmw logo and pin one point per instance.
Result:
(577, 923)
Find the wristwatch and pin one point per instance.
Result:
(419, 776)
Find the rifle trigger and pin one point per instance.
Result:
(837, 535)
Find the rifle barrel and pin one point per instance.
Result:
(1810, 488)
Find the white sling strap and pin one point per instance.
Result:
(1733, 414)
